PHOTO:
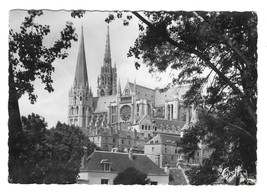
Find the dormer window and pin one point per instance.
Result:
(106, 164)
(106, 167)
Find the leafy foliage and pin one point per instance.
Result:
(131, 176)
(51, 156)
(202, 175)
(29, 59)
(231, 146)
(216, 51)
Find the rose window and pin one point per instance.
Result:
(125, 112)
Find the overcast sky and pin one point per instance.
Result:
(54, 106)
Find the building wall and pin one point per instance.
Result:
(162, 154)
(106, 142)
(95, 177)
(161, 179)
(83, 176)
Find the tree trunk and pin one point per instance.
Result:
(15, 164)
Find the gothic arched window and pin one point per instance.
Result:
(102, 93)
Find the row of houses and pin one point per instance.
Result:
(161, 153)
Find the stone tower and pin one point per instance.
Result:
(80, 96)
(107, 81)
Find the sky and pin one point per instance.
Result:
(64, 74)
(54, 106)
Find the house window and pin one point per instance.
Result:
(106, 167)
(104, 181)
(113, 140)
(153, 183)
(122, 141)
(152, 149)
(148, 127)
(165, 150)
(143, 127)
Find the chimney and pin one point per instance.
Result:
(131, 154)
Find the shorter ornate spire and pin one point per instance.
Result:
(119, 88)
(107, 57)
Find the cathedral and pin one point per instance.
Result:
(123, 117)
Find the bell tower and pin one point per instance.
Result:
(107, 81)
(80, 96)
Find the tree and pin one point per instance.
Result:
(29, 60)
(216, 51)
(230, 148)
(202, 175)
(131, 176)
(51, 156)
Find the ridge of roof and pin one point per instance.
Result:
(120, 161)
(141, 86)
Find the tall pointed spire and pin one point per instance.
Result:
(107, 57)
(81, 77)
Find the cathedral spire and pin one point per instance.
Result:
(81, 77)
(107, 57)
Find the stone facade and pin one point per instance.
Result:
(131, 116)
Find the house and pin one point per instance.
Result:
(164, 149)
(101, 167)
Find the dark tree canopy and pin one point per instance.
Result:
(131, 176)
(30, 60)
(216, 51)
(50, 156)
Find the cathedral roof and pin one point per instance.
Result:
(175, 92)
(81, 78)
(143, 92)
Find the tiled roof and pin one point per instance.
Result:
(102, 103)
(165, 139)
(170, 123)
(178, 177)
(121, 161)
(143, 92)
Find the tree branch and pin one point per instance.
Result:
(208, 63)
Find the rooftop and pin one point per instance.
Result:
(121, 161)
